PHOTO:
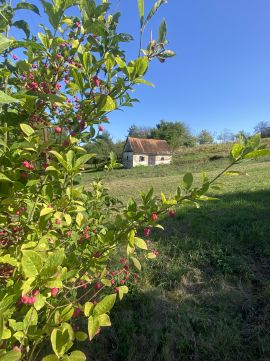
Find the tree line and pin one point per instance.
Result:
(176, 133)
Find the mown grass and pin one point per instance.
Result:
(207, 295)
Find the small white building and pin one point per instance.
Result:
(139, 151)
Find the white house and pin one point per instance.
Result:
(138, 151)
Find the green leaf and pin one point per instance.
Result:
(162, 32)
(105, 305)
(7, 99)
(59, 158)
(257, 153)
(67, 312)
(40, 302)
(140, 66)
(4, 43)
(75, 356)
(83, 159)
(9, 260)
(53, 261)
(143, 81)
(6, 334)
(105, 103)
(31, 318)
(154, 9)
(139, 242)
(13, 355)
(61, 340)
(88, 307)
(136, 263)
(4, 178)
(1, 326)
(50, 358)
(27, 129)
(167, 54)
(27, 6)
(22, 25)
(68, 219)
(104, 320)
(188, 180)
(93, 326)
(236, 151)
(45, 211)
(121, 291)
(79, 219)
(151, 255)
(81, 336)
(31, 263)
(141, 11)
(6, 303)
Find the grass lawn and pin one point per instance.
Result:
(207, 295)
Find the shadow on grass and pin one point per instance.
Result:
(206, 297)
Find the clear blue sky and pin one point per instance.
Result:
(220, 77)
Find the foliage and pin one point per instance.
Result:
(205, 137)
(139, 132)
(175, 133)
(261, 126)
(58, 238)
(226, 136)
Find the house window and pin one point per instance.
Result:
(162, 158)
(127, 157)
(141, 159)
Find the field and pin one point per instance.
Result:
(207, 295)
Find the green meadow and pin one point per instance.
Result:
(207, 295)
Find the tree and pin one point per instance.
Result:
(226, 136)
(175, 133)
(205, 137)
(261, 126)
(242, 134)
(139, 132)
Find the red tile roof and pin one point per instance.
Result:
(148, 146)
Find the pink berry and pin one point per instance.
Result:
(24, 175)
(25, 164)
(122, 282)
(54, 291)
(76, 312)
(154, 217)
(24, 299)
(171, 213)
(58, 130)
(69, 233)
(96, 80)
(98, 286)
(112, 282)
(146, 232)
(58, 221)
(101, 128)
(31, 300)
(35, 292)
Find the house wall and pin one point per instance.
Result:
(137, 161)
(128, 159)
(167, 159)
(158, 160)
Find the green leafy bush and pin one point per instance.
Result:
(57, 239)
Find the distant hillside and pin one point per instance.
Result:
(205, 153)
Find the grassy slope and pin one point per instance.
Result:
(206, 297)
